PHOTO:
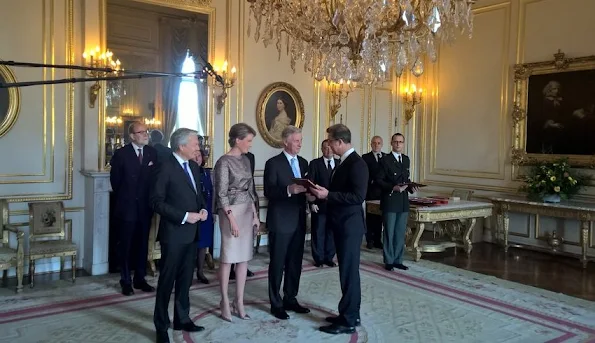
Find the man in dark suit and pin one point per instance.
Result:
(373, 221)
(392, 174)
(323, 246)
(182, 207)
(131, 177)
(345, 197)
(163, 152)
(286, 221)
(232, 273)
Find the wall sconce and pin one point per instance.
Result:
(99, 60)
(338, 92)
(411, 100)
(220, 87)
(152, 124)
(113, 121)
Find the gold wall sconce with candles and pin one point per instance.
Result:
(220, 86)
(152, 124)
(103, 65)
(113, 121)
(411, 98)
(337, 93)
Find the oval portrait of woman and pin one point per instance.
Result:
(279, 106)
(9, 101)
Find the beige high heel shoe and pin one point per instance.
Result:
(221, 307)
(236, 311)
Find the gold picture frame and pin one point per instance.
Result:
(539, 84)
(10, 101)
(279, 106)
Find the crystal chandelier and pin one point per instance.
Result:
(359, 40)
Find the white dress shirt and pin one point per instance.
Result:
(181, 162)
(326, 161)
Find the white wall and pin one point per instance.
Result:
(41, 154)
(465, 133)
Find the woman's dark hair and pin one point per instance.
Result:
(239, 131)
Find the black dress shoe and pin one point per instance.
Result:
(318, 264)
(279, 313)
(202, 279)
(336, 329)
(336, 320)
(144, 286)
(370, 246)
(127, 290)
(249, 273)
(162, 337)
(188, 327)
(330, 264)
(400, 266)
(389, 267)
(297, 308)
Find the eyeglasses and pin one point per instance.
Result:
(399, 142)
(145, 132)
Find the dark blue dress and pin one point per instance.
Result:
(207, 227)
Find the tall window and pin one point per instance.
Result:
(188, 114)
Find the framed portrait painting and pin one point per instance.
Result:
(554, 111)
(279, 106)
(10, 100)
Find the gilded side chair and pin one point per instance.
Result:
(10, 257)
(47, 236)
(154, 252)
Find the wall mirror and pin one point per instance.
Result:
(172, 36)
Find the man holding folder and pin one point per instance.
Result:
(393, 178)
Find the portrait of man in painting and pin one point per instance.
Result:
(561, 113)
(279, 106)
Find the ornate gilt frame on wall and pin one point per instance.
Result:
(8, 118)
(296, 107)
(522, 72)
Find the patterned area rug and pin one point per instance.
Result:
(428, 303)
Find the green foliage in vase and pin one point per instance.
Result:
(554, 178)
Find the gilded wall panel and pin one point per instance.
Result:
(40, 144)
(468, 129)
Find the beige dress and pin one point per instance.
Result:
(233, 188)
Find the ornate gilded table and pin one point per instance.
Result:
(581, 211)
(463, 212)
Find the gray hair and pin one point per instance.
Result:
(239, 131)
(290, 130)
(180, 137)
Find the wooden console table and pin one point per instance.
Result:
(581, 211)
(464, 211)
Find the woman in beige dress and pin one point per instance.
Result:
(238, 220)
(281, 121)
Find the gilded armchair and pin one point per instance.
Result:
(10, 257)
(47, 236)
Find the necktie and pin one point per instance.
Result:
(140, 156)
(399, 158)
(378, 157)
(188, 175)
(329, 167)
(294, 168)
